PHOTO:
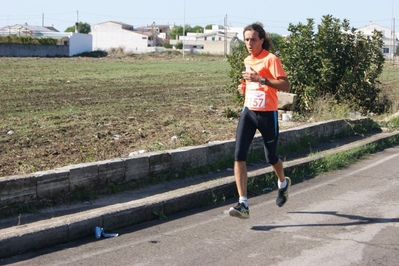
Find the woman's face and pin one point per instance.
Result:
(253, 43)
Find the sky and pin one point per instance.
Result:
(274, 15)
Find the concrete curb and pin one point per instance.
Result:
(44, 233)
(50, 185)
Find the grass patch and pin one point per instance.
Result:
(391, 124)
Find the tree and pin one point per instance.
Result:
(165, 44)
(83, 27)
(197, 29)
(335, 62)
(276, 40)
(176, 32)
(236, 61)
(179, 45)
(298, 56)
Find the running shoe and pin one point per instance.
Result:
(239, 211)
(282, 197)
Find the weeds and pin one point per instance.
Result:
(160, 215)
(391, 124)
(229, 113)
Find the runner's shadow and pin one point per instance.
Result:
(356, 220)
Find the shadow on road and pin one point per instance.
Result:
(357, 220)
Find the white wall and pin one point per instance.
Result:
(111, 35)
(80, 43)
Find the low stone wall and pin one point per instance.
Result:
(33, 50)
(55, 183)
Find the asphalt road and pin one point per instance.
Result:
(347, 217)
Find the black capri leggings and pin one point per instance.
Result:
(267, 124)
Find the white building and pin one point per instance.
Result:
(113, 35)
(215, 41)
(238, 31)
(390, 38)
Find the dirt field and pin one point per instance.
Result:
(62, 111)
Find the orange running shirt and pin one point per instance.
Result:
(264, 98)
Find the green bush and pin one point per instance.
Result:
(179, 45)
(236, 61)
(47, 41)
(165, 44)
(83, 27)
(336, 63)
(27, 40)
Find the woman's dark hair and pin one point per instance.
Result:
(267, 43)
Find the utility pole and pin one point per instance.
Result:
(77, 22)
(393, 42)
(225, 35)
(154, 41)
(184, 24)
(393, 39)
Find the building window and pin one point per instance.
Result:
(385, 50)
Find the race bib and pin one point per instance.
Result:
(255, 99)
